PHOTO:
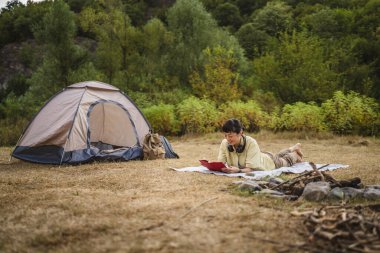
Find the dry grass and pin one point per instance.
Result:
(143, 206)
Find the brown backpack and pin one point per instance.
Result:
(153, 147)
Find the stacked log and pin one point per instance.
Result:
(343, 229)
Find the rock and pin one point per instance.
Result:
(316, 191)
(250, 186)
(336, 193)
(351, 193)
(371, 193)
(345, 193)
(271, 192)
(375, 186)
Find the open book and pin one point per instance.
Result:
(215, 166)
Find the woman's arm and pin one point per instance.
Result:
(222, 155)
(232, 169)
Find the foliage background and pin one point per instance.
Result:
(191, 64)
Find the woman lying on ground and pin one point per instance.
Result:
(241, 153)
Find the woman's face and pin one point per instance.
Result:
(233, 138)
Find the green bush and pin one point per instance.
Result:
(197, 115)
(15, 113)
(10, 132)
(352, 114)
(142, 99)
(301, 117)
(162, 118)
(249, 114)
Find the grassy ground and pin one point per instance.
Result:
(144, 206)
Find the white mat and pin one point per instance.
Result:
(257, 175)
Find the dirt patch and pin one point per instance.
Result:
(144, 206)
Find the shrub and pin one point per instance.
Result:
(162, 118)
(352, 114)
(301, 117)
(10, 132)
(218, 81)
(143, 99)
(249, 114)
(15, 113)
(197, 115)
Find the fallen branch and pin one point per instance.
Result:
(297, 177)
(192, 209)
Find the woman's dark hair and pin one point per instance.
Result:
(232, 125)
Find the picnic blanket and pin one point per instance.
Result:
(257, 175)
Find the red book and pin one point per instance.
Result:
(215, 166)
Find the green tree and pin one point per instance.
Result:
(367, 19)
(353, 74)
(247, 7)
(367, 49)
(253, 40)
(151, 62)
(228, 14)
(62, 55)
(298, 70)
(195, 30)
(17, 20)
(328, 23)
(115, 35)
(274, 18)
(217, 81)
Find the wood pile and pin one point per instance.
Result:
(340, 229)
(296, 185)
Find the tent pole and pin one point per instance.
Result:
(63, 152)
(71, 128)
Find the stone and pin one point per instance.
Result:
(351, 193)
(250, 186)
(271, 192)
(316, 191)
(336, 193)
(371, 193)
(375, 186)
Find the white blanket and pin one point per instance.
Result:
(257, 175)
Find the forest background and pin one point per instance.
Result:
(311, 66)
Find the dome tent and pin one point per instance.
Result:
(86, 121)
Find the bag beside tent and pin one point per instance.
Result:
(169, 152)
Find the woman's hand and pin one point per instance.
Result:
(231, 169)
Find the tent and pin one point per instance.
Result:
(84, 122)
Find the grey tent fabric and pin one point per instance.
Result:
(86, 121)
